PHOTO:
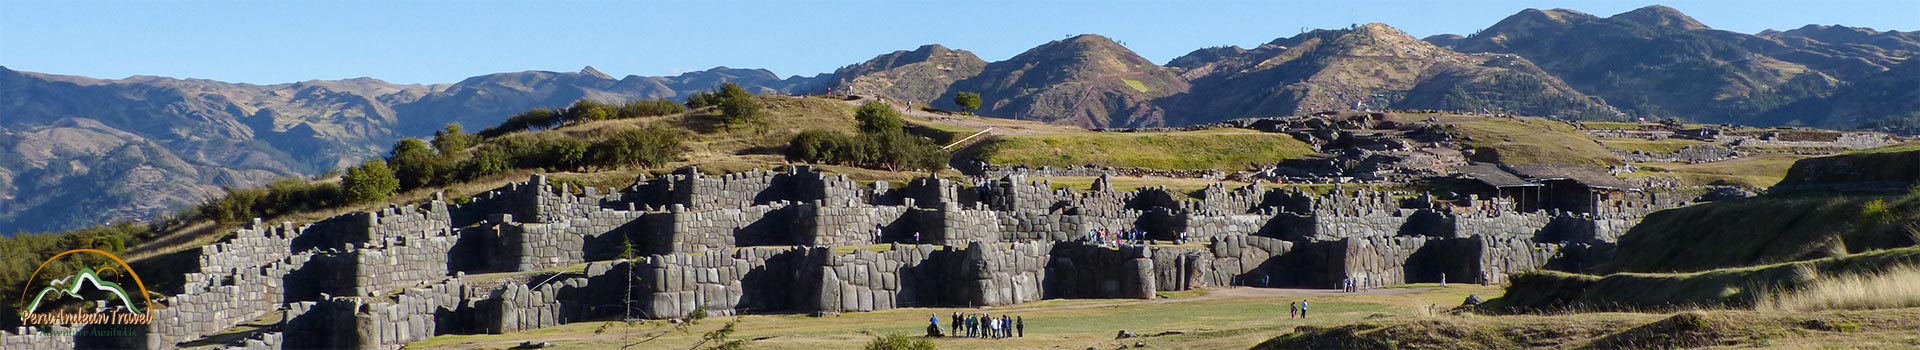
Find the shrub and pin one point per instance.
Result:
(451, 139)
(738, 109)
(876, 117)
(894, 150)
(487, 161)
(416, 165)
(649, 108)
(370, 182)
(537, 118)
(649, 146)
(586, 110)
(899, 342)
(967, 100)
(562, 153)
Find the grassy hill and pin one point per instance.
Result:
(1215, 149)
(1735, 287)
(1519, 140)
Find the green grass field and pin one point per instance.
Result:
(1759, 171)
(1530, 141)
(1234, 318)
(1217, 149)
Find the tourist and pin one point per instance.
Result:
(933, 325)
(1006, 326)
(916, 238)
(1020, 324)
(970, 325)
(997, 327)
(1443, 279)
(956, 324)
(1303, 309)
(1293, 310)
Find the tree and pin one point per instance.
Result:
(586, 110)
(372, 181)
(415, 164)
(970, 101)
(563, 153)
(487, 161)
(451, 139)
(738, 109)
(649, 146)
(535, 118)
(876, 117)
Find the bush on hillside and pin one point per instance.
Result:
(738, 109)
(649, 108)
(283, 196)
(538, 118)
(892, 150)
(416, 165)
(451, 139)
(372, 181)
(876, 117)
(650, 146)
(968, 100)
(898, 342)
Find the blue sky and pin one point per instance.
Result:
(436, 42)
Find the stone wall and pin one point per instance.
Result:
(988, 274)
(1082, 270)
(673, 285)
(765, 242)
(905, 276)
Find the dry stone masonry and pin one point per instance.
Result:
(537, 254)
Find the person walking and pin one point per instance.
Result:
(1020, 324)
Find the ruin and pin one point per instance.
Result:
(537, 254)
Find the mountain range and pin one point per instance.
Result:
(76, 151)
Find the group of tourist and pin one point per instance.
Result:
(1353, 285)
(981, 326)
(1106, 238)
(1299, 309)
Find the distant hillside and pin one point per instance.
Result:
(920, 76)
(1086, 80)
(140, 147)
(1369, 67)
(1656, 61)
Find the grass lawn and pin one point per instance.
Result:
(1216, 149)
(1530, 141)
(1760, 171)
(1234, 318)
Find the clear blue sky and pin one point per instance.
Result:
(434, 42)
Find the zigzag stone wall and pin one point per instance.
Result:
(765, 242)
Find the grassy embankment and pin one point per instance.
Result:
(1216, 149)
(1529, 141)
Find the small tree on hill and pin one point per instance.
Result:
(969, 101)
(876, 117)
(738, 109)
(414, 163)
(372, 181)
(451, 139)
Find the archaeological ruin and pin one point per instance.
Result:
(539, 253)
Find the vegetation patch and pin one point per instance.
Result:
(1529, 141)
(1214, 149)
